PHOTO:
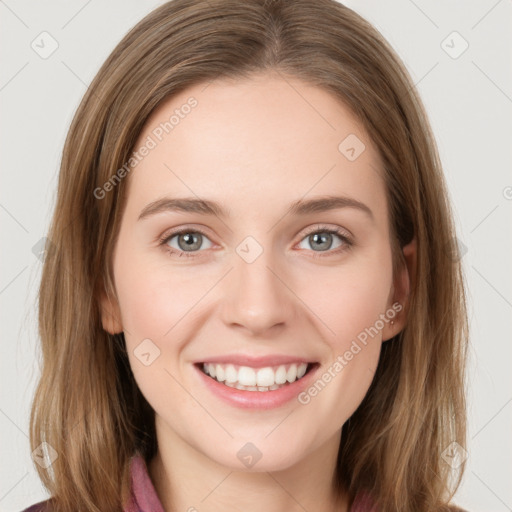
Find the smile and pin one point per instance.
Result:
(268, 378)
(256, 387)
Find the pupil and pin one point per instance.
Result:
(190, 241)
(323, 237)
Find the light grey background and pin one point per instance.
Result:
(469, 101)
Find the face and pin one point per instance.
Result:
(268, 282)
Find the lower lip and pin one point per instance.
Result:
(257, 399)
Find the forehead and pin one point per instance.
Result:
(244, 141)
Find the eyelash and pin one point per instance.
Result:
(317, 229)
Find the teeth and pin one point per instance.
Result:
(230, 372)
(301, 370)
(291, 374)
(255, 379)
(280, 376)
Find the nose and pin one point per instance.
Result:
(257, 297)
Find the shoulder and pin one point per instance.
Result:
(41, 506)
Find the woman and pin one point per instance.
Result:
(200, 351)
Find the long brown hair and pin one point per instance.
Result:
(87, 406)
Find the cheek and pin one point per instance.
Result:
(154, 296)
(351, 304)
(355, 339)
(349, 299)
(159, 306)
(156, 304)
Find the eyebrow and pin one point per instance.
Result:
(208, 207)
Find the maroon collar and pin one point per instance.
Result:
(143, 494)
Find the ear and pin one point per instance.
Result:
(401, 290)
(110, 313)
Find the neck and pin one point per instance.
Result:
(187, 480)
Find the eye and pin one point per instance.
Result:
(187, 241)
(322, 237)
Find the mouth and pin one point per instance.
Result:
(263, 379)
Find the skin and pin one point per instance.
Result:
(248, 143)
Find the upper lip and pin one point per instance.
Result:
(255, 361)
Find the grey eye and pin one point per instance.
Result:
(188, 241)
(321, 240)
